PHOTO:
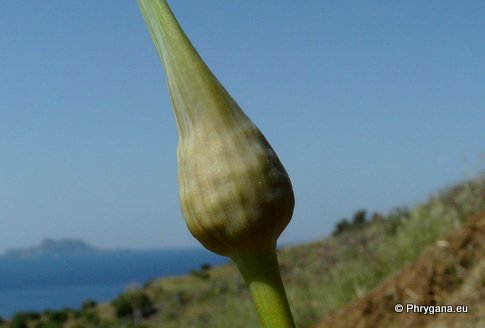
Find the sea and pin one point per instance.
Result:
(66, 281)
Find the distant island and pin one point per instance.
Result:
(52, 247)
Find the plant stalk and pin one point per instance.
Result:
(200, 101)
(260, 270)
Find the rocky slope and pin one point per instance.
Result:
(451, 272)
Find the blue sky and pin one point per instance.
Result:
(369, 105)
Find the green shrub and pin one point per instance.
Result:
(20, 320)
(48, 324)
(59, 316)
(133, 303)
(91, 317)
(201, 274)
(89, 304)
(359, 219)
(341, 226)
(122, 305)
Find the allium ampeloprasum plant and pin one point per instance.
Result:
(234, 192)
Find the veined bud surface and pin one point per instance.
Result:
(234, 192)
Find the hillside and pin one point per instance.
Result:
(451, 272)
(432, 254)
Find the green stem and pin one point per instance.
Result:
(260, 270)
(194, 90)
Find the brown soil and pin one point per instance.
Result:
(452, 272)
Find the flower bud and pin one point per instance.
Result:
(234, 192)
